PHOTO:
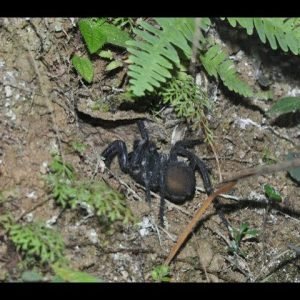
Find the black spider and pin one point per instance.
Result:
(173, 179)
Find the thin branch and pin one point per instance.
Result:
(262, 170)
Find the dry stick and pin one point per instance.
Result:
(199, 213)
(282, 166)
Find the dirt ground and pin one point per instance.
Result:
(44, 106)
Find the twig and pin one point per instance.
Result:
(199, 213)
(284, 137)
(266, 169)
(217, 160)
(49, 197)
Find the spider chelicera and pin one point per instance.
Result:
(163, 173)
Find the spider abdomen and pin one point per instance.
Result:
(179, 182)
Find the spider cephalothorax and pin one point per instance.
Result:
(173, 179)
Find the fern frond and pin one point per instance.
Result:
(284, 32)
(217, 64)
(153, 54)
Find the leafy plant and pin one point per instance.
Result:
(79, 147)
(153, 53)
(268, 157)
(123, 23)
(107, 204)
(284, 32)
(161, 273)
(84, 67)
(35, 240)
(294, 172)
(31, 276)
(217, 64)
(272, 194)
(114, 62)
(237, 235)
(285, 105)
(96, 33)
(187, 99)
(61, 169)
(66, 274)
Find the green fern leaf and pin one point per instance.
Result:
(284, 32)
(153, 54)
(217, 64)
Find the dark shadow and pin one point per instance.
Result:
(287, 63)
(237, 100)
(288, 120)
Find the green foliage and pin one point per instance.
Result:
(84, 67)
(97, 32)
(217, 64)
(107, 204)
(187, 99)
(284, 32)
(61, 168)
(153, 54)
(285, 105)
(272, 194)
(35, 240)
(237, 235)
(161, 273)
(65, 274)
(294, 172)
(123, 23)
(268, 157)
(31, 276)
(114, 62)
(62, 274)
(79, 147)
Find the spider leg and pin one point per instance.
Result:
(140, 146)
(162, 202)
(178, 149)
(116, 148)
(143, 130)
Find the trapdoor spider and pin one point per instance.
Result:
(173, 179)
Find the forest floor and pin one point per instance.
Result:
(39, 93)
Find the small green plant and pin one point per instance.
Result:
(114, 61)
(84, 67)
(272, 194)
(79, 147)
(284, 105)
(161, 273)
(268, 158)
(65, 274)
(294, 172)
(239, 234)
(124, 23)
(61, 274)
(107, 204)
(188, 101)
(96, 33)
(35, 241)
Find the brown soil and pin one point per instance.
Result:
(39, 91)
